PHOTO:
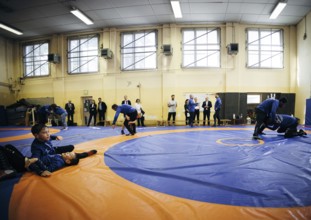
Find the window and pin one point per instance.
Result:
(83, 54)
(201, 47)
(265, 48)
(35, 59)
(253, 99)
(139, 50)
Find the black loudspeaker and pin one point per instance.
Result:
(106, 53)
(233, 49)
(167, 49)
(53, 58)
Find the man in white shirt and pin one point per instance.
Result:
(172, 105)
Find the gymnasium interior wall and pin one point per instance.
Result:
(154, 87)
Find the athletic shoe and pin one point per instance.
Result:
(92, 152)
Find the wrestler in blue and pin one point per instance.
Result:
(286, 124)
(130, 115)
(265, 112)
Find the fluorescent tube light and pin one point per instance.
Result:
(278, 9)
(81, 16)
(3, 26)
(176, 9)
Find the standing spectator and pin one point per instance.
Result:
(61, 113)
(93, 112)
(187, 114)
(266, 114)
(126, 101)
(130, 116)
(70, 108)
(140, 112)
(197, 110)
(172, 105)
(217, 108)
(191, 109)
(102, 108)
(207, 105)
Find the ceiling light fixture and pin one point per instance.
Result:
(81, 16)
(13, 30)
(176, 9)
(278, 9)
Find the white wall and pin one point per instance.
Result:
(303, 84)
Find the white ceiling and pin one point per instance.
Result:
(43, 17)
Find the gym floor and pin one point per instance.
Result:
(177, 173)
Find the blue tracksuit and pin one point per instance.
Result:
(191, 105)
(42, 150)
(218, 104)
(269, 106)
(125, 109)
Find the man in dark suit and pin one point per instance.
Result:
(102, 108)
(70, 108)
(207, 105)
(126, 101)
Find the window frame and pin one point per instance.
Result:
(122, 68)
(44, 59)
(69, 52)
(208, 29)
(260, 51)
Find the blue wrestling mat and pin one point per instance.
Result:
(219, 166)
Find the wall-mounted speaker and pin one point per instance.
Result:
(106, 53)
(167, 49)
(53, 58)
(233, 49)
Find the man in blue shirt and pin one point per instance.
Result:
(217, 108)
(265, 114)
(191, 109)
(130, 115)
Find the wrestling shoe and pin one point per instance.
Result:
(301, 132)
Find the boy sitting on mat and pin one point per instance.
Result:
(42, 145)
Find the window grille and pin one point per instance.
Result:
(265, 48)
(139, 50)
(35, 59)
(201, 47)
(83, 54)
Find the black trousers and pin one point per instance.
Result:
(261, 118)
(206, 114)
(140, 121)
(197, 115)
(101, 115)
(132, 128)
(70, 116)
(171, 114)
(191, 118)
(217, 116)
(92, 115)
(15, 158)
